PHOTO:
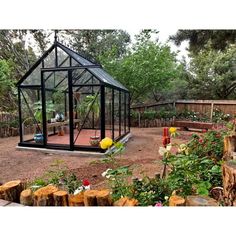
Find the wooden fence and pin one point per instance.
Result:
(206, 107)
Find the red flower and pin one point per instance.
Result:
(200, 141)
(86, 182)
(204, 131)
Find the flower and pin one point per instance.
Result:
(106, 143)
(200, 141)
(86, 182)
(166, 198)
(78, 190)
(158, 204)
(204, 130)
(183, 148)
(105, 173)
(172, 130)
(163, 151)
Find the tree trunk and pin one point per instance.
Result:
(61, 198)
(200, 201)
(229, 182)
(90, 198)
(26, 197)
(229, 147)
(104, 198)
(124, 201)
(76, 200)
(176, 201)
(44, 196)
(10, 191)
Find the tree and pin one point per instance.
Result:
(7, 88)
(146, 70)
(213, 73)
(94, 43)
(198, 39)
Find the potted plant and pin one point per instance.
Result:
(91, 104)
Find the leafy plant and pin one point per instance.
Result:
(58, 175)
(50, 108)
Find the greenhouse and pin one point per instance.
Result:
(68, 102)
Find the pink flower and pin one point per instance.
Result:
(158, 204)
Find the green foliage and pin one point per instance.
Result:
(145, 70)
(58, 175)
(191, 174)
(38, 110)
(208, 145)
(198, 39)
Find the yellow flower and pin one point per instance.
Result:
(106, 143)
(172, 130)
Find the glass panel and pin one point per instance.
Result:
(35, 77)
(57, 108)
(49, 61)
(108, 112)
(86, 115)
(122, 113)
(127, 112)
(62, 58)
(116, 113)
(31, 109)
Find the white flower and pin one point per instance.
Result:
(104, 174)
(78, 190)
(87, 187)
(166, 198)
(163, 151)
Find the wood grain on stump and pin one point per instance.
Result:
(61, 198)
(200, 201)
(76, 200)
(26, 197)
(44, 196)
(176, 201)
(10, 191)
(90, 198)
(125, 201)
(229, 182)
(103, 198)
(229, 147)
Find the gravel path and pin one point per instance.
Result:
(141, 150)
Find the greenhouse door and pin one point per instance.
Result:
(57, 109)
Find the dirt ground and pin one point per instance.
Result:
(141, 152)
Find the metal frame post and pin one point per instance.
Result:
(44, 110)
(112, 118)
(70, 94)
(20, 115)
(102, 111)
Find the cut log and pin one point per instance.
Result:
(44, 196)
(61, 198)
(76, 200)
(10, 191)
(103, 198)
(176, 201)
(229, 147)
(26, 197)
(125, 201)
(200, 201)
(90, 198)
(229, 182)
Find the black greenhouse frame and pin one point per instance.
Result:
(63, 71)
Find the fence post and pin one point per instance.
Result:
(212, 108)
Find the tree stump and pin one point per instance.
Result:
(176, 201)
(229, 182)
(10, 191)
(44, 196)
(26, 197)
(125, 201)
(76, 200)
(200, 201)
(61, 198)
(90, 198)
(229, 147)
(103, 198)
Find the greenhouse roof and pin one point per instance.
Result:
(93, 68)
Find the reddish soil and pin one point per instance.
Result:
(141, 152)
